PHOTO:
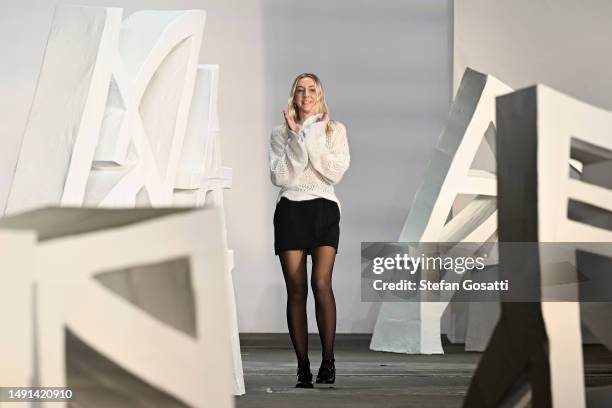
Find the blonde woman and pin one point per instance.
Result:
(308, 156)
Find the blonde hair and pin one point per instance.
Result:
(320, 106)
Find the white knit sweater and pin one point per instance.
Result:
(307, 164)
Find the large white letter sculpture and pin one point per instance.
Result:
(76, 247)
(112, 123)
(540, 131)
(126, 98)
(414, 327)
(147, 109)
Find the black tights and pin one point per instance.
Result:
(294, 270)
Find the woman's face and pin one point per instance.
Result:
(305, 96)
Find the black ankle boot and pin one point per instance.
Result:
(304, 377)
(327, 372)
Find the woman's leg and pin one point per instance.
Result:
(325, 304)
(294, 270)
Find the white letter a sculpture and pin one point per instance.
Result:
(414, 327)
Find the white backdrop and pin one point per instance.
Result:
(563, 43)
(386, 67)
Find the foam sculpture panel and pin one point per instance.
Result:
(75, 262)
(200, 171)
(201, 179)
(539, 131)
(460, 180)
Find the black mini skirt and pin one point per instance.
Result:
(306, 224)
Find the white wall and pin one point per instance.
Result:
(386, 67)
(563, 43)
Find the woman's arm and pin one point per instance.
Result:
(288, 157)
(330, 162)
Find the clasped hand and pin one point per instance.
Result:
(293, 126)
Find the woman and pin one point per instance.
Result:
(308, 156)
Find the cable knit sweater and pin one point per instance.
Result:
(306, 164)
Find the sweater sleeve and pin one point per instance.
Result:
(329, 161)
(288, 158)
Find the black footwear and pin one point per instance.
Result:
(327, 372)
(304, 378)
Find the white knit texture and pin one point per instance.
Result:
(308, 164)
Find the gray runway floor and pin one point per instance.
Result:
(371, 379)
(364, 378)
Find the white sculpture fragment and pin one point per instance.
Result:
(16, 259)
(107, 240)
(452, 182)
(200, 179)
(65, 118)
(200, 171)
